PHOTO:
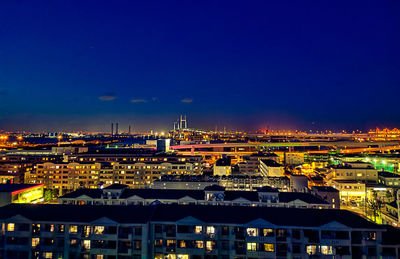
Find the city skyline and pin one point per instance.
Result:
(70, 66)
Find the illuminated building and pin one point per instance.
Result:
(66, 177)
(190, 232)
(251, 163)
(350, 191)
(231, 182)
(270, 168)
(355, 171)
(223, 167)
(389, 179)
(20, 193)
(384, 134)
(294, 158)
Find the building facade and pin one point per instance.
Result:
(189, 232)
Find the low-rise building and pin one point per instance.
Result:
(329, 194)
(20, 193)
(223, 167)
(270, 168)
(231, 182)
(211, 195)
(355, 171)
(389, 179)
(190, 232)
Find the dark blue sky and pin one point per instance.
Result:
(69, 65)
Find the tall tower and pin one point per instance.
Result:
(116, 128)
(129, 130)
(112, 129)
(183, 122)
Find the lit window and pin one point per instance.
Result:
(73, 229)
(269, 247)
(35, 242)
(171, 243)
(326, 250)
(252, 246)
(267, 232)
(253, 232)
(10, 227)
(179, 256)
(311, 249)
(48, 255)
(98, 230)
(182, 243)
(210, 230)
(198, 229)
(99, 256)
(86, 244)
(158, 242)
(210, 245)
(199, 244)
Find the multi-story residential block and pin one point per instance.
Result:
(389, 179)
(329, 194)
(138, 156)
(15, 169)
(270, 168)
(211, 195)
(222, 167)
(251, 163)
(231, 182)
(355, 171)
(190, 232)
(66, 177)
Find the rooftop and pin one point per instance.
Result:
(388, 174)
(325, 189)
(207, 214)
(16, 187)
(271, 163)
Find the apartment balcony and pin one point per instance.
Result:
(125, 236)
(103, 251)
(104, 236)
(260, 254)
(17, 247)
(125, 251)
(189, 236)
(18, 234)
(335, 242)
(260, 239)
(191, 251)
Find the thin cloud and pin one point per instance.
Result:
(138, 101)
(155, 99)
(187, 100)
(107, 97)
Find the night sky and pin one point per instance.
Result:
(80, 65)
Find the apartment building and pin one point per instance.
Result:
(355, 171)
(270, 168)
(190, 232)
(67, 177)
(117, 194)
(137, 156)
(230, 182)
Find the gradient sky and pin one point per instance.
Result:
(80, 65)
